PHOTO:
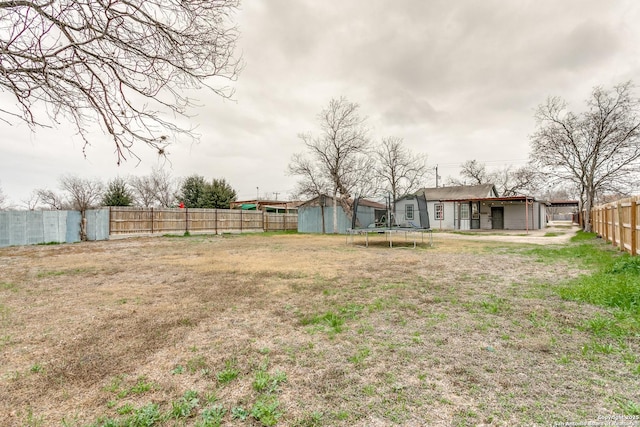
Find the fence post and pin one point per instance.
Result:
(611, 234)
(110, 219)
(151, 219)
(620, 227)
(186, 220)
(215, 220)
(241, 220)
(634, 221)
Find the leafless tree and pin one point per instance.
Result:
(115, 63)
(3, 200)
(509, 181)
(312, 182)
(598, 150)
(473, 173)
(143, 192)
(515, 182)
(82, 194)
(32, 202)
(165, 187)
(401, 172)
(157, 189)
(336, 155)
(50, 199)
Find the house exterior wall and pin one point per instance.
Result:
(515, 216)
(401, 210)
(485, 217)
(448, 222)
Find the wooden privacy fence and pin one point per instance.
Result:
(617, 223)
(127, 220)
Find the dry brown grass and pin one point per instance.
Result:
(465, 333)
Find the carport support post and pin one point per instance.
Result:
(526, 214)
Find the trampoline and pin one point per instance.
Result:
(391, 229)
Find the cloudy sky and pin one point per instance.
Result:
(456, 80)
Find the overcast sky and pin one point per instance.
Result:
(456, 80)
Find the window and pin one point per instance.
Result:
(464, 211)
(439, 208)
(408, 212)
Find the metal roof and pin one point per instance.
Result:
(328, 201)
(459, 192)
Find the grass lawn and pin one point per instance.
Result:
(301, 330)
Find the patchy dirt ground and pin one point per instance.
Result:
(468, 332)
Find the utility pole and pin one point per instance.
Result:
(257, 193)
(276, 193)
(437, 176)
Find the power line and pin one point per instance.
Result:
(512, 161)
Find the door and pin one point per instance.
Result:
(497, 218)
(475, 215)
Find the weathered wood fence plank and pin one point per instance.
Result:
(617, 223)
(128, 221)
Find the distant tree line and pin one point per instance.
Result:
(158, 189)
(509, 181)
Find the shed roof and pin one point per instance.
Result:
(328, 201)
(459, 192)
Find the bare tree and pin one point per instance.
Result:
(312, 181)
(508, 181)
(50, 199)
(474, 173)
(401, 172)
(336, 155)
(143, 192)
(32, 202)
(117, 63)
(598, 150)
(3, 200)
(165, 187)
(159, 189)
(515, 182)
(82, 194)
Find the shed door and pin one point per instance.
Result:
(497, 218)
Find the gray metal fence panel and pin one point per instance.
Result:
(97, 224)
(4, 229)
(17, 228)
(72, 232)
(34, 228)
(55, 226)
